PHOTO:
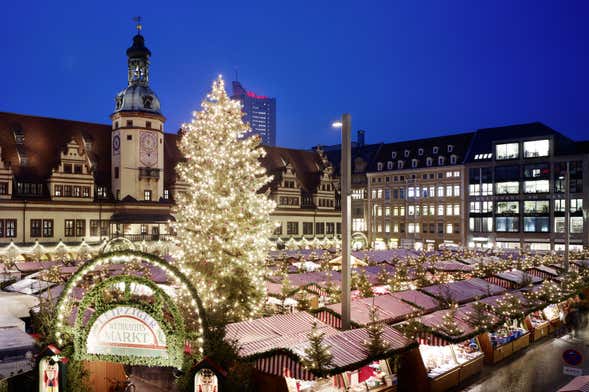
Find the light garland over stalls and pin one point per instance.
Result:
(187, 294)
(223, 222)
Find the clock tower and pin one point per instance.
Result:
(137, 139)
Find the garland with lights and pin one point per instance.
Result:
(186, 310)
(223, 220)
(159, 305)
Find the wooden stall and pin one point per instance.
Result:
(513, 279)
(463, 291)
(275, 346)
(448, 361)
(390, 310)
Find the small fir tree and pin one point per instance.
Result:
(449, 325)
(480, 316)
(364, 285)
(375, 345)
(317, 356)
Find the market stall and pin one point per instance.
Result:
(463, 291)
(513, 279)
(545, 272)
(510, 336)
(277, 345)
(389, 310)
(449, 356)
(424, 302)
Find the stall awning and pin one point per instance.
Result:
(141, 218)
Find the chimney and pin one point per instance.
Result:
(360, 138)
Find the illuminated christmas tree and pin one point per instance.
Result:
(480, 316)
(317, 355)
(375, 345)
(222, 219)
(449, 325)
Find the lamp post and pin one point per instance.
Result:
(567, 217)
(346, 205)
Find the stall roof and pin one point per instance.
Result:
(517, 276)
(464, 290)
(390, 309)
(29, 286)
(546, 269)
(434, 320)
(13, 338)
(419, 299)
(578, 384)
(275, 332)
(452, 266)
(32, 266)
(17, 304)
(348, 349)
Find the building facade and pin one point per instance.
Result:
(517, 188)
(416, 193)
(260, 113)
(70, 181)
(363, 156)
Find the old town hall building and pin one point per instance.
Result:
(71, 181)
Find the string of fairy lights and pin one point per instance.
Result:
(223, 222)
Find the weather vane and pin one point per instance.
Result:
(137, 19)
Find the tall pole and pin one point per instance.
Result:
(567, 217)
(346, 165)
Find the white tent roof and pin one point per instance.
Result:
(16, 304)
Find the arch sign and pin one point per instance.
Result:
(126, 330)
(128, 318)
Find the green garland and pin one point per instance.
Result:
(173, 329)
(67, 335)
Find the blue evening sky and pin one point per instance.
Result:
(403, 69)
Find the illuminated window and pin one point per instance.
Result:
(507, 151)
(537, 148)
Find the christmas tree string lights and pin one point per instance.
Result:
(223, 221)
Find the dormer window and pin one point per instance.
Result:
(379, 166)
(453, 159)
(394, 154)
(147, 101)
(407, 152)
(450, 148)
(420, 152)
(390, 165)
(440, 161)
(428, 161)
(435, 149)
(414, 163)
(399, 164)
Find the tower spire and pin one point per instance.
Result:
(138, 24)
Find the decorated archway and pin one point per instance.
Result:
(108, 312)
(359, 241)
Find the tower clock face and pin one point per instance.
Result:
(116, 143)
(148, 148)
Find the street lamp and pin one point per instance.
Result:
(346, 205)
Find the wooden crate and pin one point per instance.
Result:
(502, 352)
(541, 331)
(521, 342)
(471, 368)
(445, 381)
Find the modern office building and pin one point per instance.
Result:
(260, 113)
(416, 193)
(516, 188)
